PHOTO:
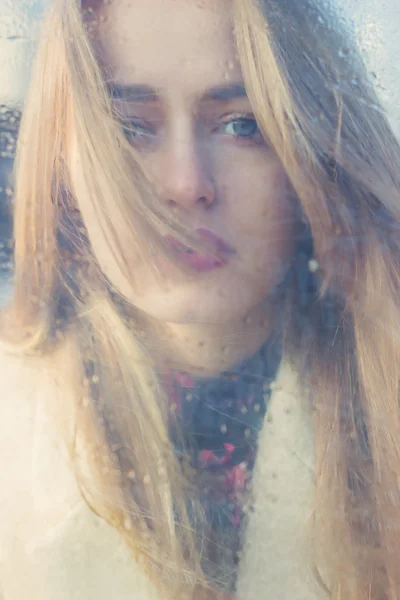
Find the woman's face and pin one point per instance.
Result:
(176, 65)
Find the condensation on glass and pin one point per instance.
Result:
(367, 34)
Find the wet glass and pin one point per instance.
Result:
(204, 304)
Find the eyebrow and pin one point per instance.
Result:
(147, 94)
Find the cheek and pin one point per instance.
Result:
(262, 215)
(276, 228)
(263, 210)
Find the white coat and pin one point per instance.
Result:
(53, 547)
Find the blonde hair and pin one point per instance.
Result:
(342, 161)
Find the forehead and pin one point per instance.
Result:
(165, 41)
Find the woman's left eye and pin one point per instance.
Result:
(242, 127)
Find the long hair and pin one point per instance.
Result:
(342, 161)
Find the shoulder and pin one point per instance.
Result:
(20, 379)
(30, 380)
(24, 381)
(33, 456)
(33, 389)
(17, 374)
(47, 531)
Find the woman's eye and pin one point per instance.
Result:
(242, 127)
(137, 131)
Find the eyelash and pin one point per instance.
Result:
(129, 125)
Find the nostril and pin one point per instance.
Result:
(172, 203)
(206, 200)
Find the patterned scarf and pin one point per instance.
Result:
(214, 425)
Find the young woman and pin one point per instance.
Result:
(200, 361)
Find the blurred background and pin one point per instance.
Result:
(19, 30)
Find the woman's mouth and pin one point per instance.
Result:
(199, 261)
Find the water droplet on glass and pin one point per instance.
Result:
(343, 52)
(313, 265)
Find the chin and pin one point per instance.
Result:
(198, 310)
(201, 306)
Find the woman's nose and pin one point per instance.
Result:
(186, 175)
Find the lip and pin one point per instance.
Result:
(215, 240)
(198, 261)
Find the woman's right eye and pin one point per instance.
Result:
(137, 131)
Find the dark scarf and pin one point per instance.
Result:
(214, 425)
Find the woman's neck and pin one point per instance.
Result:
(206, 349)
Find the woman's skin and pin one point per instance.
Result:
(196, 132)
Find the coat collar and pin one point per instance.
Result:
(276, 560)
